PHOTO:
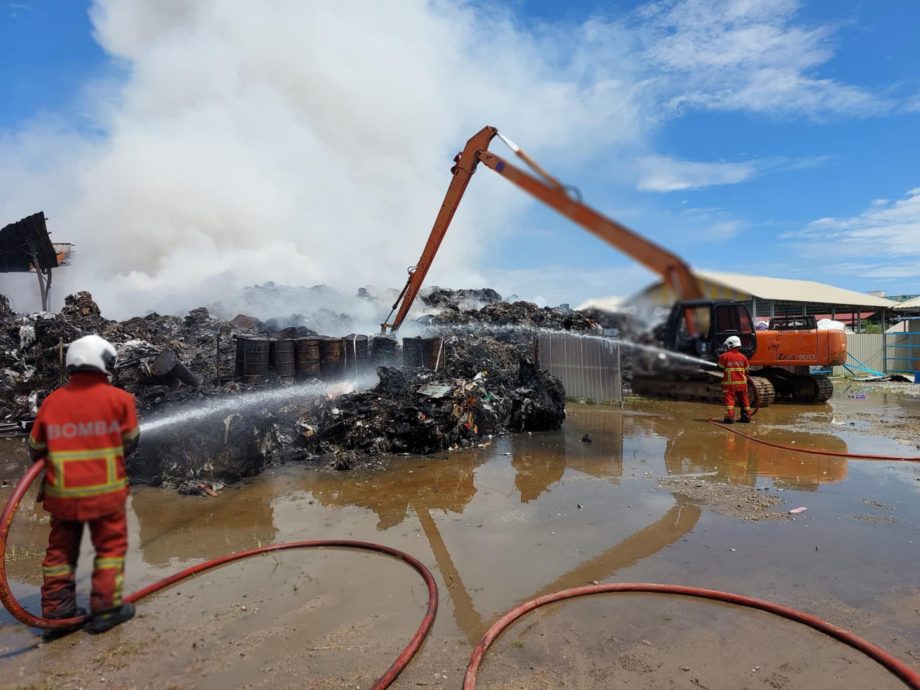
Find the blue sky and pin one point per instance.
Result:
(775, 138)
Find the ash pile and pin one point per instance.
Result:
(225, 399)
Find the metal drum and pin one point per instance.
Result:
(307, 357)
(356, 354)
(413, 352)
(434, 353)
(331, 359)
(253, 357)
(168, 367)
(423, 353)
(384, 351)
(282, 358)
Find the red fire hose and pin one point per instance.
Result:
(20, 614)
(896, 667)
(814, 451)
(798, 449)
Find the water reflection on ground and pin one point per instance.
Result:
(529, 514)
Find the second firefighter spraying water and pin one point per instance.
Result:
(735, 368)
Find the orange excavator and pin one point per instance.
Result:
(781, 360)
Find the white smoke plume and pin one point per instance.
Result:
(302, 142)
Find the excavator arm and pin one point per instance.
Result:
(551, 192)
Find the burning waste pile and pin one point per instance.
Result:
(214, 410)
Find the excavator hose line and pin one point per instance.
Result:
(904, 672)
(20, 614)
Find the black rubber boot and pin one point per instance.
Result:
(728, 420)
(106, 620)
(54, 633)
(745, 419)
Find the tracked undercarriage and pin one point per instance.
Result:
(765, 387)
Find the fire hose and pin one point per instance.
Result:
(809, 451)
(891, 663)
(23, 616)
(813, 451)
(898, 668)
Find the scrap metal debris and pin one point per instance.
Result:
(221, 428)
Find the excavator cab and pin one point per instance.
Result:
(699, 328)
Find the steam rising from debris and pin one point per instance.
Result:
(306, 144)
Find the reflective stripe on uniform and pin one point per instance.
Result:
(109, 562)
(57, 570)
(37, 445)
(119, 587)
(60, 459)
(134, 433)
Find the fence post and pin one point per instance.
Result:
(884, 352)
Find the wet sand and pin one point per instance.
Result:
(658, 496)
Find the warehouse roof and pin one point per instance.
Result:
(910, 304)
(787, 290)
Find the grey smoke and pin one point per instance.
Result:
(305, 144)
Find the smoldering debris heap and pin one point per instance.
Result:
(202, 424)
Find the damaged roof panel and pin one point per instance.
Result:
(24, 240)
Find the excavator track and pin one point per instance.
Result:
(813, 389)
(802, 389)
(760, 389)
(762, 392)
(665, 388)
(699, 390)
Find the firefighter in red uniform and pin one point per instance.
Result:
(734, 380)
(83, 432)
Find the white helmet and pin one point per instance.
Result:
(91, 353)
(732, 341)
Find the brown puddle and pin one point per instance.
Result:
(658, 495)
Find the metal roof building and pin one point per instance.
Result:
(768, 297)
(911, 305)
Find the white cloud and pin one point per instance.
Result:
(746, 55)
(883, 271)
(886, 230)
(665, 174)
(311, 143)
(560, 283)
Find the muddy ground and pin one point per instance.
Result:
(658, 495)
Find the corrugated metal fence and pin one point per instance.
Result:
(867, 348)
(589, 367)
(903, 352)
(888, 353)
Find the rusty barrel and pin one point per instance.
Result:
(306, 354)
(282, 358)
(384, 351)
(357, 356)
(331, 359)
(423, 353)
(253, 357)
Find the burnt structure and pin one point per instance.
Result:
(25, 246)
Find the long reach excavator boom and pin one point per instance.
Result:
(697, 326)
(673, 270)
